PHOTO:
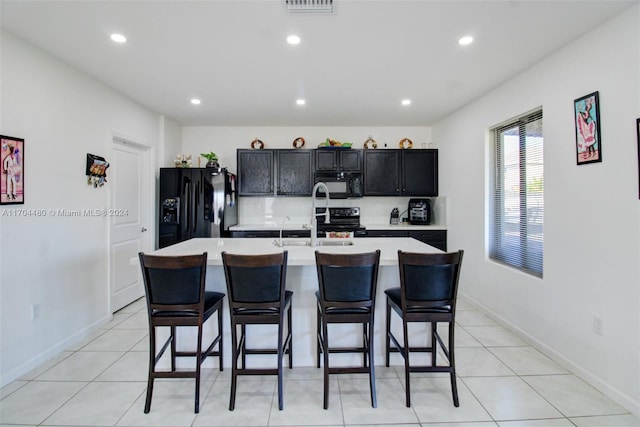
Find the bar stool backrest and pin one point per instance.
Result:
(348, 278)
(255, 281)
(429, 280)
(174, 283)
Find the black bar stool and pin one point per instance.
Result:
(257, 296)
(176, 296)
(347, 294)
(427, 293)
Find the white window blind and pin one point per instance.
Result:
(517, 203)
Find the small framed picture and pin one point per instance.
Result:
(11, 170)
(588, 140)
(638, 142)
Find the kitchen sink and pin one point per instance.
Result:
(297, 242)
(335, 243)
(289, 242)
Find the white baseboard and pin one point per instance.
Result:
(34, 362)
(623, 399)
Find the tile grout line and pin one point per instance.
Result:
(274, 394)
(520, 377)
(87, 383)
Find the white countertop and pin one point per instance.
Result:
(298, 255)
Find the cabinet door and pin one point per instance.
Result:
(435, 238)
(296, 233)
(254, 234)
(294, 173)
(420, 172)
(350, 160)
(337, 160)
(326, 160)
(382, 172)
(387, 233)
(255, 172)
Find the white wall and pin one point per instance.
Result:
(62, 264)
(592, 226)
(171, 133)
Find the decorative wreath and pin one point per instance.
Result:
(256, 143)
(370, 143)
(406, 143)
(298, 140)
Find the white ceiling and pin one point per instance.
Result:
(353, 66)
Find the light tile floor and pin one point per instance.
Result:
(502, 382)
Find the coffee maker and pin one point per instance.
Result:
(419, 211)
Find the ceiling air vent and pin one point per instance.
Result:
(309, 5)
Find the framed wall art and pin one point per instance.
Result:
(638, 142)
(96, 170)
(588, 140)
(11, 170)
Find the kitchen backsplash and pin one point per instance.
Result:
(373, 210)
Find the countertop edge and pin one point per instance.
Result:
(298, 255)
(273, 227)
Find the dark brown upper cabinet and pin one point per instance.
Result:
(419, 173)
(401, 173)
(255, 172)
(382, 172)
(294, 174)
(337, 160)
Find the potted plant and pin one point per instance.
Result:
(212, 159)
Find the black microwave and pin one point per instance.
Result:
(341, 185)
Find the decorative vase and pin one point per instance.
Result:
(212, 164)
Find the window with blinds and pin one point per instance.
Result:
(517, 199)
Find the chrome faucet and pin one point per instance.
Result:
(286, 218)
(314, 220)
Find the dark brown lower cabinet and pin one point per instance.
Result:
(270, 233)
(435, 238)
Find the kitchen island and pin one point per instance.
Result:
(433, 234)
(302, 280)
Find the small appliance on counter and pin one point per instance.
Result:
(419, 211)
(395, 217)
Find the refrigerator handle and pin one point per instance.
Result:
(196, 204)
(187, 193)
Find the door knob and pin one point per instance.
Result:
(143, 229)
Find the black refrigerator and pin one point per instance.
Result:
(196, 202)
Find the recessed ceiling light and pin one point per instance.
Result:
(300, 101)
(465, 40)
(406, 102)
(196, 101)
(118, 38)
(293, 39)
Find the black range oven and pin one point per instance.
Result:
(340, 219)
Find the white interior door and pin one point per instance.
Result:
(130, 215)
